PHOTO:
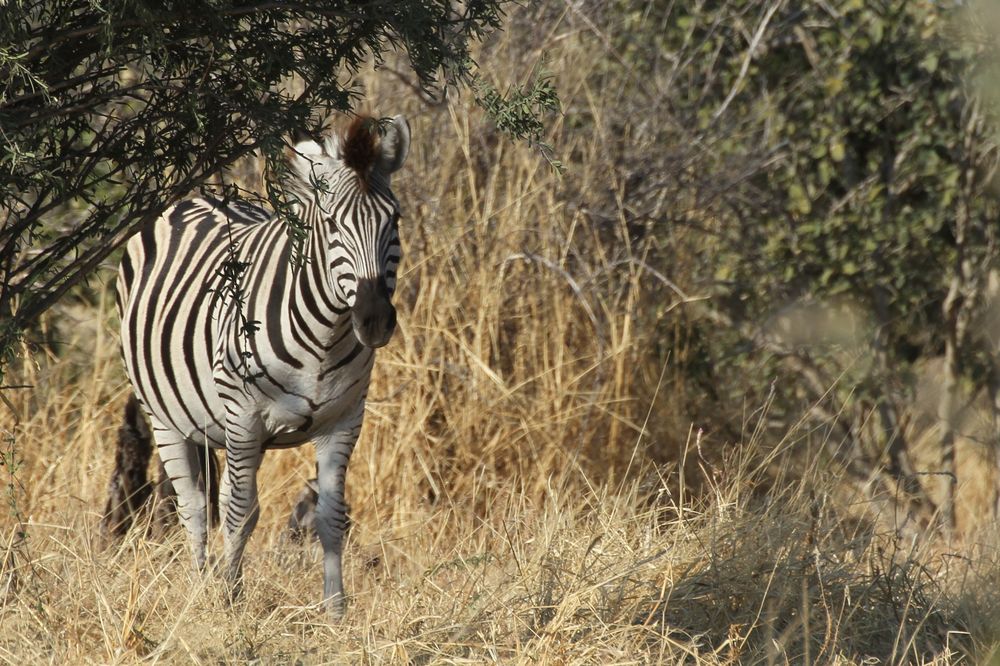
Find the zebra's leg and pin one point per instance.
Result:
(164, 503)
(302, 521)
(180, 460)
(224, 491)
(208, 480)
(333, 452)
(164, 496)
(243, 456)
(301, 525)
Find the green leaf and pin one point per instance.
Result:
(837, 150)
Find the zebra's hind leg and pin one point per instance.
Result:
(333, 452)
(180, 460)
(164, 496)
(301, 525)
(302, 520)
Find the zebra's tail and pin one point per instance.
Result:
(129, 487)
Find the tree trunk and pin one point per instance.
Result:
(995, 448)
(964, 294)
(947, 407)
(918, 505)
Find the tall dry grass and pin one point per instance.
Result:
(533, 559)
(506, 506)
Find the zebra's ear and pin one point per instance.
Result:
(394, 146)
(331, 145)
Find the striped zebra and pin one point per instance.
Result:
(284, 359)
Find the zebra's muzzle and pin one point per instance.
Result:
(373, 317)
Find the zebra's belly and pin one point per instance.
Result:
(193, 424)
(292, 407)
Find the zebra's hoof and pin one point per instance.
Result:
(336, 607)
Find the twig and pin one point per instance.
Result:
(754, 43)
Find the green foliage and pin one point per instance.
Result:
(862, 117)
(835, 155)
(518, 112)
(112, 110)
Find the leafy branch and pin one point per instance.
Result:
(519, 112)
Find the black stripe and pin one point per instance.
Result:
(275, 304)
(358, 348)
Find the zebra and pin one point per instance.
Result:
(284, 359)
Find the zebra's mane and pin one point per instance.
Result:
(359, 146)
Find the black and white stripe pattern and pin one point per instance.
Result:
(206, 378)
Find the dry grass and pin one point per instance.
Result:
(550, 566)
(505, 506)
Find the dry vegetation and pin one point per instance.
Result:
(506, 504)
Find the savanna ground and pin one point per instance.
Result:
(525, 489)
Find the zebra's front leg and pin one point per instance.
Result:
(333, 451)
(243, 456)
(180, 461)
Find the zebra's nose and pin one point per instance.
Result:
(374, 317)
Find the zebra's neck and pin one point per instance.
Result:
(318, 313)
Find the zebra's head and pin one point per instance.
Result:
(354, 214)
